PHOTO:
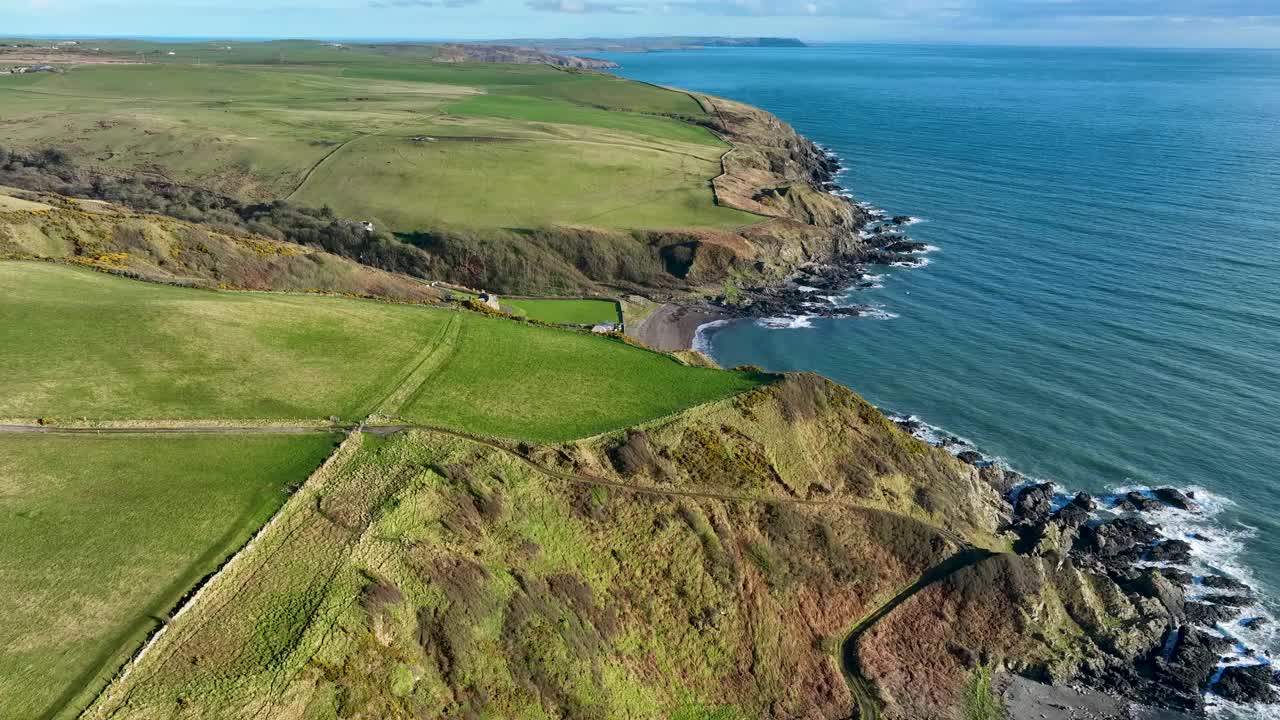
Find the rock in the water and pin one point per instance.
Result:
(1123, 538)
(969, 456)
(1174, 551)
(1236, 601)
(1208, 615)
(1194, 659)
(901, 219)
(1221, 582)
(1076, 513)
(1085, 500)
(1254, 623)
(1181, 577)
(1171, 496)
(910, 425)
(906, 246)
(1141, 502)
(1247, 684)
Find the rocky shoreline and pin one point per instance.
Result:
(813, 288)
(1176, 655)
(1184, 656)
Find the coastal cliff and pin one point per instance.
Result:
(786, 553)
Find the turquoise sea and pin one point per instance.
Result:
(1103, 309)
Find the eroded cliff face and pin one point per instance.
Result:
(777, 173)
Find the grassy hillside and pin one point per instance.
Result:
(387, 134)
(103, 534)
(81, 344)
(172, 251)
(707, 567)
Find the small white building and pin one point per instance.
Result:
(491, 300)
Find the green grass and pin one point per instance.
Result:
(81, 344)
(980, 699)
(518, 146)
(547, 110)
(102, 535)
(566, 312)
(503, 173)
(541, 384)
(76, 343)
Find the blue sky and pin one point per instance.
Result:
(1192, 23)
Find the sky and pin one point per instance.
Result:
(1164, 23)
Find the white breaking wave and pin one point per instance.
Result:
(878, 313)
(1216, 549)
(701, 336)
(917, 263)
(795, 322)
(926, 249)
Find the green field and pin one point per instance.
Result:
(103, 535)
(535, 383)
(81, 344)
(385, 134)
(76, 343)
(566, 312)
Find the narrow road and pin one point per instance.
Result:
(867, 706)
(178, 429)
(388, 430)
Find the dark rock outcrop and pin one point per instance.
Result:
(1156, 586)
(1221, 582)
(1247, 684)
(1174, 551)
(1189, 668)
(1033, 504)
(1181, 577)
(1123, 539)
(1208, 615)
(1141, 502)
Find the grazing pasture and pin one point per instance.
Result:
(103, 534)
(508, 379)
(384, 133)
(566, 312)
(82, 344)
